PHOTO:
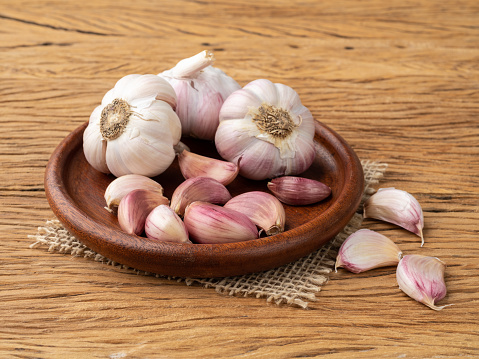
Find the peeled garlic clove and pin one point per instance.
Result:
(194, 165)
(164, 225)
(198, 189)
(263, 209)
(298, 191)
(209, 223)
(123, 185)
(422, 278)
(365, 249)
(135, 207)
(397, 207)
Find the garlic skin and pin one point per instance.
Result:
(123, 185)
(266, 124)
(201, 90)
(210, 223)
(134, 129)
(164, 225)
(135, 207)
(194, 165)
(298, 191)
(365, 249)
(264, 210)
(204, 189)
(397, 207)
(422, 278)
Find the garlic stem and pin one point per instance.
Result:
(187, 68)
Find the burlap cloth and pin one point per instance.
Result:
(293, 284)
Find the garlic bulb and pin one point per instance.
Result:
(266, 125)
(398, 207)
(365, 249)
(134, 129)
(422, 278)
(201, 90)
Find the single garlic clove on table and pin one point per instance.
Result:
(194, 165)
(164, 225)
(135, 207)
(422, 278)
(210, 223)
(123, 185)
(397, 207)
(365, 249)
(264, 210)
(298, 191)
(204, 189)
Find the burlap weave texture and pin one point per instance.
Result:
(295, 283)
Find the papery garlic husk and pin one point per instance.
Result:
(264, 210)
(266, 124)
(135, 207)
(134, 129)
(201, 90)
(298, 191)
(397, 207)
(164, 225)
(123, 185)
(422, 278)
(194, 165)
(365, 249)
(210, 223)
(204, 189)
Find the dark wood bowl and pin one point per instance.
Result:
(75, 193)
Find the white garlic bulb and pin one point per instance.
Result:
(134, 129)
(201, 90)
(267, 126)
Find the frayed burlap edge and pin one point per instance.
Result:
(293, 284)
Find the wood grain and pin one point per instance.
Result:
(398, 80)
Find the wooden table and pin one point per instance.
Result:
(399, 80)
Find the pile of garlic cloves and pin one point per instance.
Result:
(420, 277)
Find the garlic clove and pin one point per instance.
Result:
(263, 209)
(365, 249)
(397, 207)
(135, 207)
(210, 223)
(164, 225)
(204, 189)
(194, 165)
(298, 191)
(422, 279)
(123, 185)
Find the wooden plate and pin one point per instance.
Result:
(75, 192)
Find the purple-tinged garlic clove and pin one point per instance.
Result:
(123, 185)
(422, 279)
(203, 189)
(135, 207)
(264, 210)
(397, 207)
(164, 225)
(209, 223)
(298, 191)
(194, 165)
(365, 249)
